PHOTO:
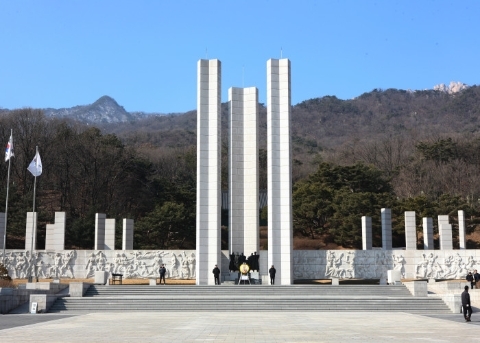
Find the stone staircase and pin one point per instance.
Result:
(249, 298)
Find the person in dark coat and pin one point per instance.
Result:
(216, 275)
(466, 306)
(162, 272)
(470, 279)
(476, 277)
(272, 271)
(231, 266)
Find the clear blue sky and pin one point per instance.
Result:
(144, 53)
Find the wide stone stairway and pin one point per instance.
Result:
(249, 298)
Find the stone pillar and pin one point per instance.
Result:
(2, 229)
(280, 226)
(461, 230)
(127, 241)
(446, 238)
(386, 229)
(410, 231)
(428, 233)
(31, 224)
(366, 233)
(59, 231)
(100, 231)
(243, 171)
(444, 220)
(49, 234)
(208, 219)
(109, 234)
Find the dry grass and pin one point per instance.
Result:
(7, 283)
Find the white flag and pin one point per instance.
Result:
(9, 150)
(35, 166)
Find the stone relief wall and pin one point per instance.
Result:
(374, 264)
(84, 263)
(307, 264)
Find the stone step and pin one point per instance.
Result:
(253, 290)
(102, 305)
(255, 298)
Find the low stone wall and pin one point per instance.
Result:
(450, 292)
(11, 298)
(78, 289)
(417, 288)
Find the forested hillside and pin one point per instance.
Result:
(404, 150)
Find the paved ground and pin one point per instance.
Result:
(239, 327)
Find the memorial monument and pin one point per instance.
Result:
(208, 169)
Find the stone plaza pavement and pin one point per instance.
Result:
(239, 327)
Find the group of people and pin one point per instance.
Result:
(216, 274)
(473, 278)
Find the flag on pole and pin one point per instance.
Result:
(9, 150)
(35, 166)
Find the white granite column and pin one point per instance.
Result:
(446, 237)
(410, 231)
(49, 237)
(386, 228)
(208, 170)
(59, 231)
(461, 230)
(366, 233)
(243, 171)
(109, 234)
(127, 238)
(31, 224)
(100, 231)
(444, 220)
(428, 233)
(279, 169)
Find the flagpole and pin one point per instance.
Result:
(6, 205)
(30, 279)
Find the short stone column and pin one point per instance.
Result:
(386, 228)
(366, 233)
(109, 234)
(50, 231)
(100, 231)
(428, 233)
(461, 230)
(59, 231)
(446, 239)
(444, 220)
(410, 231)
(30, 231)
(127, 241)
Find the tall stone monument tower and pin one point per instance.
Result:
(208, 169)
(243, 171)
(280, 227)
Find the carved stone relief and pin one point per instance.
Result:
(22, 264)
(307, 264)
(84, 264)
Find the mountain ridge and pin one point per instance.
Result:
(106, 110)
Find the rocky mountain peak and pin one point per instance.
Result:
(104, 110)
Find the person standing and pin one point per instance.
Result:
(476, 277)
(162, 272)
(466, 306)
(470, 279)
(272, 271)
(216, 275)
